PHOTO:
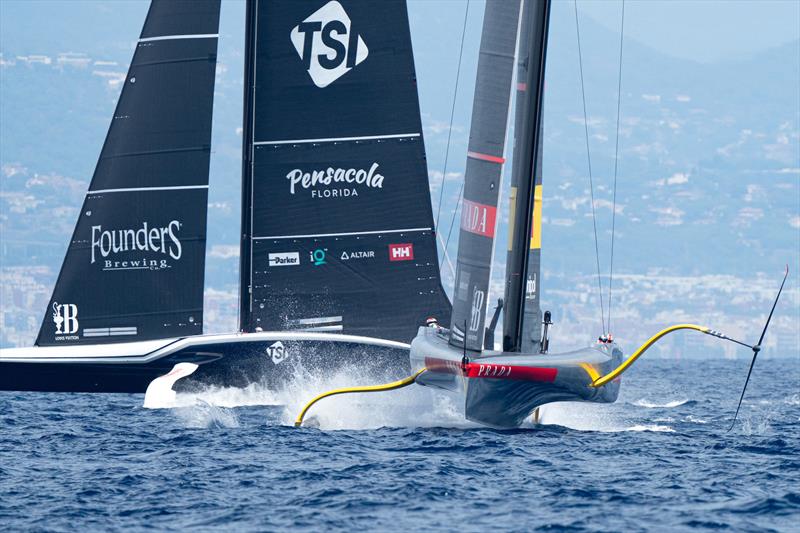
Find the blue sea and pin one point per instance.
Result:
(659, 459)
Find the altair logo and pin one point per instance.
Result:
(328, 45)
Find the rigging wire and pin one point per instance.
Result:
(453, 219)
(450, 127)
(616, 165)
(591, 182)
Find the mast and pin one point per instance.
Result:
(522, 318)
(245, 248)
(482, 179)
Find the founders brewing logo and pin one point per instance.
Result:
(65, 317)
(328, 45)
(142, 248)
(334, 182)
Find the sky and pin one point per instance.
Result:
(702, 30)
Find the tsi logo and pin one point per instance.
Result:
(328, 45)
(277, 351)
(401, 252)
(284, 259)
(65, 317)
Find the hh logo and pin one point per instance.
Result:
(401, 252)
(328, 44)
(65, 317)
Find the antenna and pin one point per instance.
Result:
(757, 347)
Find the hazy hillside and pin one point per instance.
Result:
(709, 173)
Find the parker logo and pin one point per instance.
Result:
(328, 45)
(147, 240)
(65, 317)
(284, 259)
(401, 252)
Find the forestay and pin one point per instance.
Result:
(338, 228)
(134, 267)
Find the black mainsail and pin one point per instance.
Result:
(522, 318)
(337, 221)
(485, 159)
(135, 264)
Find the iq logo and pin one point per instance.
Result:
(318, 257)
(328, 45)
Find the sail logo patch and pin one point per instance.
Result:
(277, 352)
(359, 254)
(478, 218)
(401, 252)
(106, 244)
(328, 45)
(477, 309)
(318, 257)
(530, 287)
(284, 259)
(335, 182)
(65, 317)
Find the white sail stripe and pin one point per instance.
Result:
(322, 328)
(106, 332)
(340, 234)
(187, 36)
(320, 320)
(136, 189)
(340, 139)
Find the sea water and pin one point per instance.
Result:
(660, 458)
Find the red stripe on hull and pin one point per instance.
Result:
(492, 371)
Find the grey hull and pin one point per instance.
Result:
(502, 389)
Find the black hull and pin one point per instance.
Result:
(221, 364)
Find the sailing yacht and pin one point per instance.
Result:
(501, 388)
(338, 258)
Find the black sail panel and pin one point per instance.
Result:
(522, 314)
(338, 229)
(135, 264)
(485, 160)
